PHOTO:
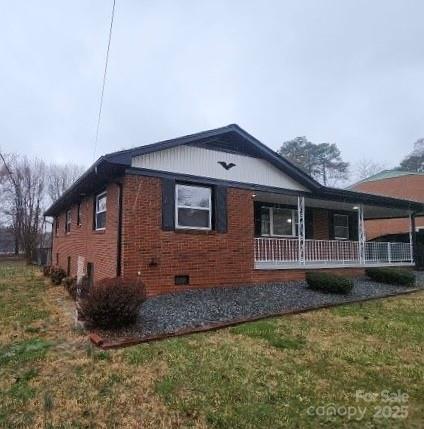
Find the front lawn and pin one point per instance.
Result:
(277, 373)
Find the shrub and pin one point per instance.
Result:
(397, 276)
(113, 303)
(57, 275)
(70, 285)
(328, 283)
(47, 270)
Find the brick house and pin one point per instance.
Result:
(398, 184)
(214, 208)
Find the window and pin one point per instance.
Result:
(68, 222)
(57, 258)
(277, 221)
(341, 227)
(100, 216)
(68, 267)
(79, 214)
(193, 207)
(56, 227)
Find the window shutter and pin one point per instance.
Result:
(94, 212)
(168, 204)
(353, 227)
(309, 223)
(257, 216)
(331, 224)
(220, 207)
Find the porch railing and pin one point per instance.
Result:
(285, 251)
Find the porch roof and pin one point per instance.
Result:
(374, 206)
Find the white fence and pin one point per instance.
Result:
(285, 251)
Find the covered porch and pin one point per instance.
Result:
(307, 232)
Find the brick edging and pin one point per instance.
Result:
(106, 344)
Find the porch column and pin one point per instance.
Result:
(412, 235)
(361, 234)
(301, 228)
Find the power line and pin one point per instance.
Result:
(104, 81)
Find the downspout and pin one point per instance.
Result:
(119, 239)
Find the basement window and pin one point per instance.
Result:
(100, 216)
(341, 227)
(193, 207)
(182, 280)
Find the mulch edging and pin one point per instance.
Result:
(107, 344)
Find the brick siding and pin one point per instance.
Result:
(97, 247)
(157, 256)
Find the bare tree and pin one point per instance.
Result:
(365, 168)
(60, 178)
(23, 194)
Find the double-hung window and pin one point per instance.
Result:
(341, 227)
(193, 207)
(68, 221)
(278, 222)
(100, 214)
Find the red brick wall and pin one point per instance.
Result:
(406, 187)
(209, 258)
(320, 224)
(98, 247)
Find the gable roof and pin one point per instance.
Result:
(229, 138)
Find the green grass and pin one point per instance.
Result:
(265, 374)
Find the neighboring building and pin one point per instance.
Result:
(7, 241)
(211, 209)
(392, 183)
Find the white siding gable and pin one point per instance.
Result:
(205, 163)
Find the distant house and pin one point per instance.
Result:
(392, 183)
(7, 241)
(213, 209)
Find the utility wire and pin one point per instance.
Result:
(104, 81)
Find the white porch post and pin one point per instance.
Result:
(301, 228)
(361, 234)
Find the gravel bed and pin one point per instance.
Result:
(197, 308)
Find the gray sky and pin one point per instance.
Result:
(349, 72)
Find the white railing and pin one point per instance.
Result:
(285, 251)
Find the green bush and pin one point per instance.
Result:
(397, 276)
(328, 283)
(112, 303)
(70, 285)
(57, 275)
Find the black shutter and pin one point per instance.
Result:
(309, 223)
(353, 226)
(257, 217)
(168, 204)
(331, 224)
(220, 206)
(94, 212)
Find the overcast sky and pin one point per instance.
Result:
(349, 72)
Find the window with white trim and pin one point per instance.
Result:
(278, 222)
(68, 221)
(341, 227)
(100, 215)
(193, 207)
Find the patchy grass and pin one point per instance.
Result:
(266, 374)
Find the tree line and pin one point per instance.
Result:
(27, 188)
(324, 162)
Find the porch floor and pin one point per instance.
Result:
(197, 309)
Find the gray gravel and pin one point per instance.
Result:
(196, 308)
